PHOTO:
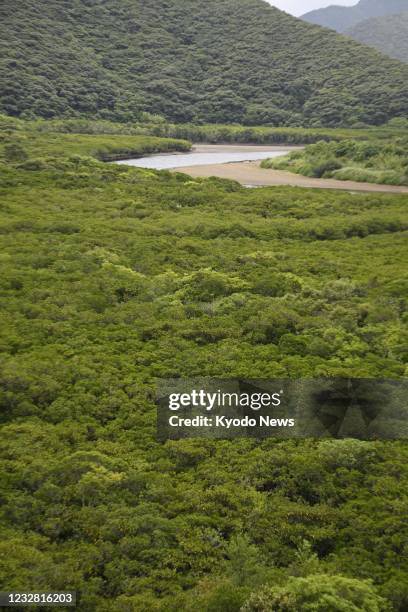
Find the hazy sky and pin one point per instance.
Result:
(299, 7)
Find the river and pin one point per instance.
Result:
(242, 163)
(205, 155)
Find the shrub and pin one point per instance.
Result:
(14, 152)
(317, 593)
(326, 168)
(34, 165)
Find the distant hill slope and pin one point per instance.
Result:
(222, 61)
(388, 34)
(342, 18)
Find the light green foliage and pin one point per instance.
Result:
(112, 277)
(373, 161)
(317, 594)
(18, 145)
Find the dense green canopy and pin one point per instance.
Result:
(214, 61)
(112, 277)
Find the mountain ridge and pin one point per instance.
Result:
(388, 34)
(341, 18)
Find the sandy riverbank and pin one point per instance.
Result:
(251, 174)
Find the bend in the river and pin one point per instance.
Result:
(242, 163)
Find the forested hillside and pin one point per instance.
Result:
(215, 61)
(341, 18)
(388, 34)
(112, 277)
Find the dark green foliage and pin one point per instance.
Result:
(325, 168)
(14, 152)
(217, 61)
(261, 135)
(113, 277)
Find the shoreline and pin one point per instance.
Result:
(252, 175)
